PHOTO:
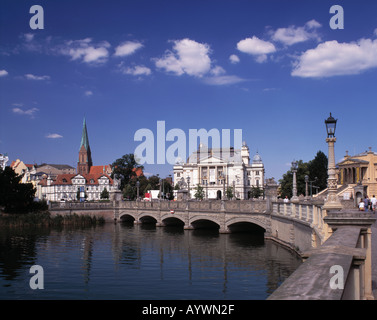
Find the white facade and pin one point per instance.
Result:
(67, 186)
(217, 169)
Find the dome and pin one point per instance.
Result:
(257, 158)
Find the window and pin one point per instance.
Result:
(65, 180)
(257, 173)
(91, 181)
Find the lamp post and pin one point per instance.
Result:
(188, 187)
(306, 186)
(137, 186)
(294, 189)
(332, 202)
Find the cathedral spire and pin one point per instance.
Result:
(84, 136)
(85, 155)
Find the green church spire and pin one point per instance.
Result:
(84, 137)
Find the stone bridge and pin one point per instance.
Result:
(323, 238)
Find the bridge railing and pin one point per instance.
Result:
(307, 211)
(240, 206)
(80, 205)
(340, 269)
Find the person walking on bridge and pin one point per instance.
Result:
(374, 203)
(366, 203)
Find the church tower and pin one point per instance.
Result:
(85, 156)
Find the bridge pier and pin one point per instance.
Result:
(224, 230)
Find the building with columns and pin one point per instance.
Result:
(217, 169)
(358, 174)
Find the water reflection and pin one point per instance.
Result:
(120, 261)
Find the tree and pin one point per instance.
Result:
(199, 194)
(286, 183)
(318, 170)
(104, 194)
(15, 196)
(255, 192)
(125, 169)
(229, 193)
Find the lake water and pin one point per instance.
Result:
(143, 262)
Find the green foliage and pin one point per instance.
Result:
(255, 192)
(229, 193)
(14, 195)
(316, 169)
(124, 169)
(199, 192)
(104, 194)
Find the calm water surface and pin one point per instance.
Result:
(119, 261)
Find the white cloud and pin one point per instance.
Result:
(28, 112)
(30, 76)
(332, 58)
(217, 70)
(54, 136)
(188, 57)
(256, 47)
(86, 51)
(293, 34)
(127, 48)
(221, 80)
(88, 93)
(29, 37)
(3, 73)
(138, 71)
(375, 32)
(234, 59)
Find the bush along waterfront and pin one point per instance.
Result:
(45, 219)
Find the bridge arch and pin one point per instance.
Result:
(171, 220)
(241, 224)
(204, 222)
(148, 218)
(127, 217)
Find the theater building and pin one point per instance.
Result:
(217, 169)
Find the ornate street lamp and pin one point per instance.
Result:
(306, 186)
(294, 189)
(332, 202)
(137, 186)
(188, 187)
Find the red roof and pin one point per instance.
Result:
(66, 179)
(100, 169)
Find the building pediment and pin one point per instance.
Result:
(212, 160)
(352, 162)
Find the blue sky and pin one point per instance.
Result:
(274, 69)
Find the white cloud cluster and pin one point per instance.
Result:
(127, 48)
(3, 73)
(332, 58)
(260, 49)
(256, 47)
(138, 71)
(86, 51)
(30, 76)
(234, 59)
(188, 57)
(28, 112)
(53, 136)
(293, 34)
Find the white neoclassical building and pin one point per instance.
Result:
(217, 169)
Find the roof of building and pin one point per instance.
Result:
(57, 166)
(84, 137)
(66, 179)
(100, 169)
